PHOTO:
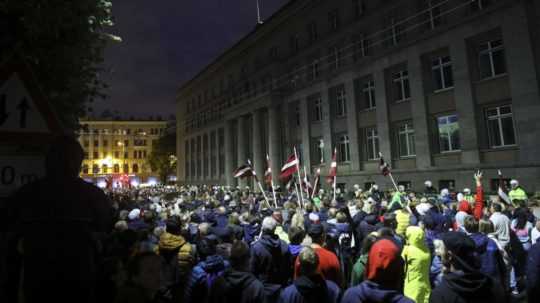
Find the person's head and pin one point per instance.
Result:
(458, 252)
(144, 271)
(269, 225)
(359, 205)
(64, 158)
(514, 183)
(390, 220)
(467, 191)
(221, 210)
(296, 235)
(204, 229)
(375, 187)
(470, 224)
(401, 188)
(317, 234)
(120, 225)
(521, 216)
(368, 241)
(309, 261)
(485, 227)
(309, 207)
(385, 265)
(332, 213)
(496, 208)
(207, 247)
(174, 225)
(240, 256)
(428, 184)
(341, 217)
(234, 218)
(277, 216)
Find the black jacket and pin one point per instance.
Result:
(459, 287)
(236, 287)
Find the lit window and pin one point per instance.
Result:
(500, 125)
(333, 20)
(318, 109)
(448, 127)
(343, 149)
(341, 103)
(369, 94)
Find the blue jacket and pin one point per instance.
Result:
(202, 277)
(533, 272)
(271, 263)
(491, 260)
(371, 292)
(250, 232)
(310, 292)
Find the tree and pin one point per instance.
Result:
(63, 42)
(163, 156)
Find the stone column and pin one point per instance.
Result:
(352, 125)
(523, 85)
(217, 177)
(229, 165)
(256, 140)
(419, 114)
(241, 146)
(383, 123)
(274, 141)
(327, 126)
(306, 137)
(465, 103)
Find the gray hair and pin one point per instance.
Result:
(309, 261)
(269, 224)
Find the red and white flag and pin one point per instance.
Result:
(383, 166)
(244, 171)
(268, 172)
(306, 184)
(289, 168)
(333, 168)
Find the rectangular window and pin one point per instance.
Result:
(343, 149)
(333, 20)
(341, 103)
(318, 151)
(406, 140)
(372, 144)
(358, 8)
(126, 143)
(434, 10)
(297, 114)
(96, 143)
(117, 154)
(491, 59)
(105, 143)
(318, 111)
(312, 32)
(86, 143)
(448, 128)
(126, 155)
(442, 72)
(86, 155)
(402, 89)
(334, 57)
(500, 124)
(295, 43)
(95, 155)
(369, 94)
(315, 69)
(448, 184)
(134, 154)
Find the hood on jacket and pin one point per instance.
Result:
(237, 280)
(313, 289)
(385, 265)
(469, 285)
(213, 264)
(480, 242)
(369, 291)
(271, 241)
(169, 241)
(415, 237)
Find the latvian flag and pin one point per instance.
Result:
(307, 185)
(503, 191)
(268, 172)
(333, 168)
(290, 167)
(384, 167)
(244, 171)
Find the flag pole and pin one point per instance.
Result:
(297, 194)
(260, 186)
(315, 186)
(305, 178)
(335, 174)
(298, 175)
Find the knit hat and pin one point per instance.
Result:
(385, 265)
(462, 247)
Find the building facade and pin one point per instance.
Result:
(118, 147)
(440, 87)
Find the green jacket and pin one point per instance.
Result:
(357, 275)
(517, 194)
(417, 262)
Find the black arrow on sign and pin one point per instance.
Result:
(3, 110)
(23, 107)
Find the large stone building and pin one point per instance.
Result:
(118, 147)
(440, 87)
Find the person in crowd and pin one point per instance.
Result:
(535, 232)
(237, 284)
(358, 271)
(429, 190)
(296, 237)
(533, 272)
(328, 262)
(403, 219)
(516, 192)
(383, 278)
(310, 285)
(501, 224)
(60, 222)
(522, 227)
(143, 282)
(417, 263)
(205, 272)
(271, 260)
(462, 281)
(177, 259)
(487, 251)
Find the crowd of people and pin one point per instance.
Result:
(71, 241)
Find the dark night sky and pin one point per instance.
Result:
(165, 43)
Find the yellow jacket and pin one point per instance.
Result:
(417, 262)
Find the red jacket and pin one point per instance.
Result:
(478, 203)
